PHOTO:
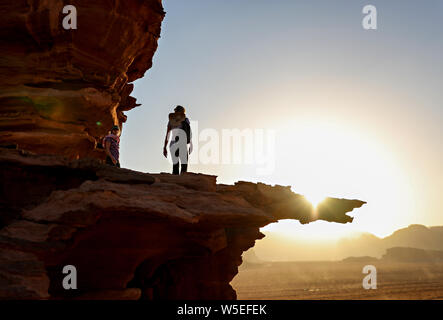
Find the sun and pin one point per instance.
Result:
(314, 198)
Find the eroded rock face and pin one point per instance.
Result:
(129, 234)
(132, 235)
(61, 90)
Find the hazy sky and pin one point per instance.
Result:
(356, 113)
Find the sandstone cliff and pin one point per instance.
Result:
(413, 255)
(61, 90)
(130, 234)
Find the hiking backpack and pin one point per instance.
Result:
(187, 128)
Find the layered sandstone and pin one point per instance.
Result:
(61, 90)
(129, 234)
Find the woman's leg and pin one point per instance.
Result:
(176, 166)
(184, 162)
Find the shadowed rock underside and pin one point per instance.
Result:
(129, 234)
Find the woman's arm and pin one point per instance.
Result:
(165, 150)
(191, 147)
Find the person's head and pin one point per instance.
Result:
(179, 109)
(115, 130)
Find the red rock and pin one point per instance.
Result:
(125, 294)
(168, 237)
(129, 234)
(61, 90)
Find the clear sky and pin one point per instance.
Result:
(356, 113)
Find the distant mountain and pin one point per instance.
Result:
(364, 259)
(414, 236)
(277, 247)
(401, 254)
(365, 245)
(417, 236)
(249, 256)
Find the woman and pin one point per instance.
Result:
(180, 127)
(112, 146)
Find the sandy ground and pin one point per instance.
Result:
(337, 280)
